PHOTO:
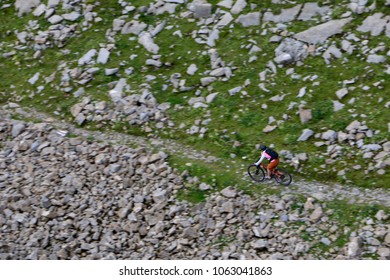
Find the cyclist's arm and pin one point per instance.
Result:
(261, 159)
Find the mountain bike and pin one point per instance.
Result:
(280, 175)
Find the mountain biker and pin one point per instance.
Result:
(272, 157)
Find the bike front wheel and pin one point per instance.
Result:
(283, 177)
(256, 173)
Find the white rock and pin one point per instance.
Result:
(342, 93)
(55, 19)
(103, 56)
(316, 215)
(337, 105)
(320, 33)
(34, 79)
(72, 16)
(116, 93)
(306, 134)
(354, 247)
(111, 71)
(226, 4)
(374, 58)
(211, 97)
(87, 58)
(40, 10)
(238, 6)
(191, 70)
(283, 58)
(17, 129)
(146, 40)
(207, 81)
(214, 36)
(251, 19)
(225, 20)
(25, 6)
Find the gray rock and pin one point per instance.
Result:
(153, 62)
(111, 71)
(337, 105)
(311, 10)
(305, 115)
(384, 253)
(191, 70)
(374, 24)
(329, 135)
(207, 81)
(320, 33)
(34, 79)
(117, 92)
(260, 244)
(40, 10)
(295, 49)
(146, 40)
(283, 58)
(316, 215)
(103, 56)
(238, 6)
(25, 6)
(387, 238)
(134, 27)
(72, 16)
(55, 19)
(159, 196)
(226, 4)
(354, 247)
(269, 128)
(251, 19)
(202, 10)
(229, 192)
(325, 241)
(286, 15)
(87, 58)
(115, 167)
(373, 58)
(225, 20)
(80, 119)
(342, 93)
(330, 53)
(213, 37)
(306, 134)
(118, 24)
(17, 129)
(45, 202)
(53, 3)
(211, 97)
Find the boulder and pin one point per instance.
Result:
(306, 134)
(25, 6)
(251, 19)
(146, 40)
(320, 33)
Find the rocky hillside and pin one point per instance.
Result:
(66, 197)
(309, 78)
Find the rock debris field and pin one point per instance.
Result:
(66, 197)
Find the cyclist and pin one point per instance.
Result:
(272, 157)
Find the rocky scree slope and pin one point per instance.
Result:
(67, 197)
(308, 77)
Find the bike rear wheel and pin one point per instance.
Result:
(256, 173)
(283, 177)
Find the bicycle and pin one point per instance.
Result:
(281, 175)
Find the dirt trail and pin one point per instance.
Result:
(317, 190)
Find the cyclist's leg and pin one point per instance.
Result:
(271, 167)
